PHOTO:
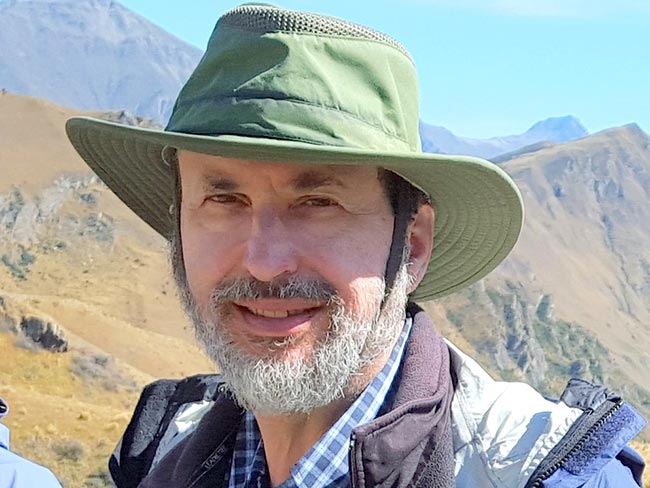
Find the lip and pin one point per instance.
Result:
(293, 324)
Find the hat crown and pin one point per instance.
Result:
(274, 73)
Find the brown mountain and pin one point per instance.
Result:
(72, 255)
(587, 234)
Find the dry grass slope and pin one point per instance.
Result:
(70, 252)
(57, 418)
(73, 254)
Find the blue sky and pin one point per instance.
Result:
(490, 67)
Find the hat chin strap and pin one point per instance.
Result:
(398, 245)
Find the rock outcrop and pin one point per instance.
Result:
(44, 334)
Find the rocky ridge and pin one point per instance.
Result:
(437, 139)
(573, 298)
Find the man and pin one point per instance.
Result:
(300, 209)
(17, 472)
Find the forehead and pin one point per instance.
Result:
(207, 170)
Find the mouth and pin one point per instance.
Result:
(277, 318)
(275, 314)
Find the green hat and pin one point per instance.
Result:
(279, 85)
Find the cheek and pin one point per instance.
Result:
(353, 259)
(208, 258)
(365, 296)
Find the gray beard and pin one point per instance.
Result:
(274, 385)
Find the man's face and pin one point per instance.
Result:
(284, 267)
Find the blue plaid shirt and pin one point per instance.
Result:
(326, 463)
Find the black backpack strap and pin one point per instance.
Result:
(158, 404)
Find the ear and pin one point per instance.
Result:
(420, 240)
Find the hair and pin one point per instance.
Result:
(397, 188)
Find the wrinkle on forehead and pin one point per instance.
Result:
(313, 179)
(330, 176)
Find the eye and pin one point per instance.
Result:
(318, 202)
(228, 199)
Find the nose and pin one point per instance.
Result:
(270, 252)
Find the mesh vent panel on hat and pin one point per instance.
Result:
(266, 18)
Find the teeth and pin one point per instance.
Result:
(275, 314)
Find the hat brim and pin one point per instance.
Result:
(479, 211)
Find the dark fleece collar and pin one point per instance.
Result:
(410, 442)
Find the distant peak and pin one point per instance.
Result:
(558, 129)
(633, 126)
(555, 123)
(630, 129)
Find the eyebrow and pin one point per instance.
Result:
(219, 183)
(306, 181)
(311, 180)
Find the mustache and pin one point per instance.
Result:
(314, 289)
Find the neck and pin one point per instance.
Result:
(287, 438)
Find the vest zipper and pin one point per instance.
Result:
(353, 462)
(581, 431)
